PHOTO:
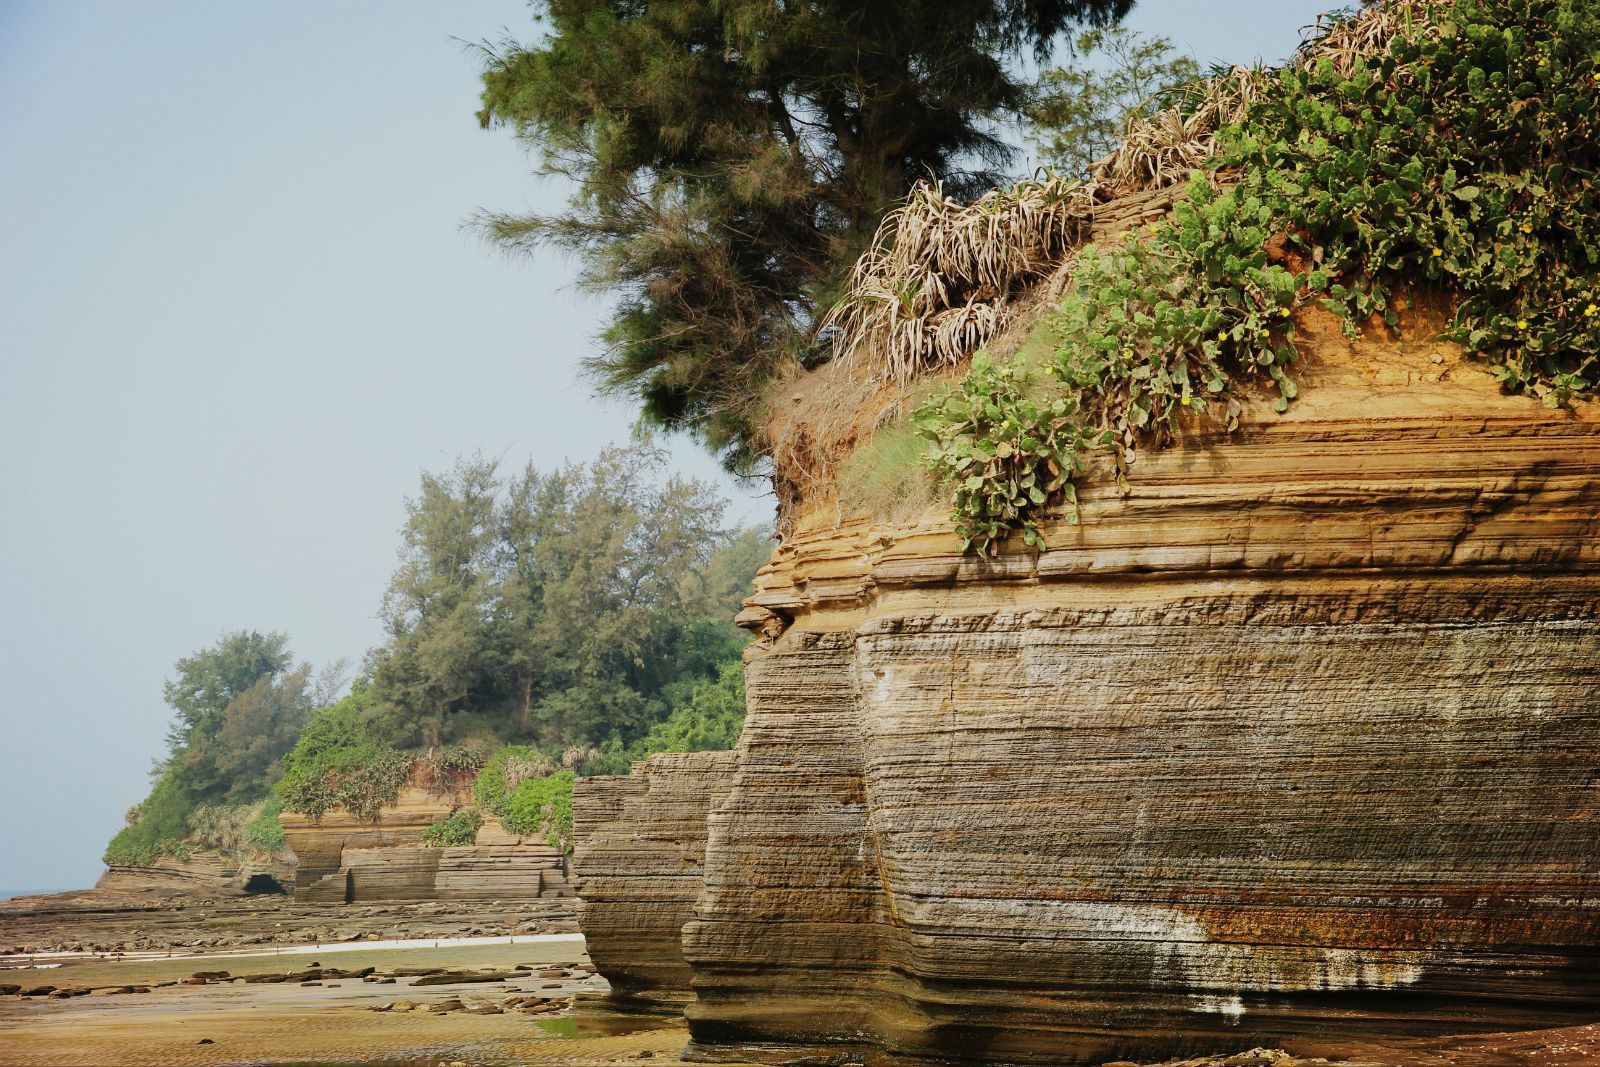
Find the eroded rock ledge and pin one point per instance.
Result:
(1299, 738)
(641, 848)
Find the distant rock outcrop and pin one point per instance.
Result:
(204, 874)
(1299, 737)
(344, 859)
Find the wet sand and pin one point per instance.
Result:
(543, 1005)
(229, 1021)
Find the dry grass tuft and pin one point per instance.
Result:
(937, 281)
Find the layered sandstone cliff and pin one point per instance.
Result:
(346, 859)
(642, 842)
(1299, 737)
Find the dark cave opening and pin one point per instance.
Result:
(263, 883)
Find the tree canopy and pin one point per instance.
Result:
(559, 608)
(732, 158)
(1083, 107)
(238, 707)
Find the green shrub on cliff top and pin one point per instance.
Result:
(337, 762)
(155, 828)
(1464, 158)
(264, 833)
(504, 771)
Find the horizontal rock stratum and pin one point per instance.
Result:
(346, 859)
(1298, 738)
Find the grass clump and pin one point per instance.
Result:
(460, 828)
(885, 475)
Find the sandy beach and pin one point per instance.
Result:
(390, 1015)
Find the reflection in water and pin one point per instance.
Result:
(599, 1015)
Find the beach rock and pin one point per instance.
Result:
(462, 977)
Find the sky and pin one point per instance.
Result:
(241, 309)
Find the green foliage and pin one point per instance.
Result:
(542, 806)
(556, 608)
(237, 708)
(155, 828)
(711, 718)
(337, 761)
(504, 771)
(264, 833)
(1465, 157)
(1005, 451)
(732, 159)
(460, 828)
(1081, 110)
(1494, 201)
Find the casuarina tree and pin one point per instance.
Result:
(730, 158)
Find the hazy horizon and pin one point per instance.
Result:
(246, 312)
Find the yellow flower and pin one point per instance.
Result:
(1437, 253)
(1522, 324)
(1591, 310)
(1222, 335)
(1526, 228)
(1285, 312)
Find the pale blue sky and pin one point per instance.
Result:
(239, 312)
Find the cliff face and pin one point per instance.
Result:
(1300, 737)
(319, 842)
(642, 842)
(344, 859)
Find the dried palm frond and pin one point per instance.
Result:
(936, 280)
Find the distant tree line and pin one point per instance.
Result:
(583, 613)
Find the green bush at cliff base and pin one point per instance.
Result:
(1463, 158)
(543, 806)
(264, 833)
(460, 828)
